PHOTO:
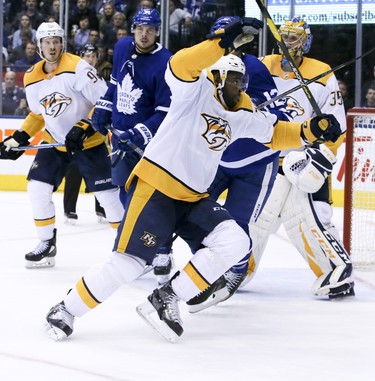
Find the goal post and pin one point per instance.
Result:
(359, 188)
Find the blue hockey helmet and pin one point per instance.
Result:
(223, 21)
(147, 16)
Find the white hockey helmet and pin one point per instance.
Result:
(228, 63)
(49, 29)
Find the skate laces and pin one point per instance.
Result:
(233, 280)
(161, 260)
(59, 312)
(41, 247)
(171, 309)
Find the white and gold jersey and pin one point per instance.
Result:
(325, 91)
(182, 159)
(64, 96)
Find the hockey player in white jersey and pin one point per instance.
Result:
(167, 190)
(61, 91)
(301, 196)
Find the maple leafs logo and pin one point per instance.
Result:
(127, 96)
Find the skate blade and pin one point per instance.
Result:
(44, 263)
(70, 221)
(54, 333)
(217, 297)
(145, 310)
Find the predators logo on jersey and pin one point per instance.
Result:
(294, 107)
(218, 133)
(55, 104)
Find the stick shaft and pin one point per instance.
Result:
(39, 146)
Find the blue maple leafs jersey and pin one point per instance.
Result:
(244, 152)
(139, 95)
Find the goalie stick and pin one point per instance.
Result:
(289, 58)
(338, 67)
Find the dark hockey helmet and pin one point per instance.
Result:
(223, 21)
(88, 49)
(147, 16)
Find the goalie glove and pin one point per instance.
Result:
(19, 138)
(237, 33)
(102, 115)
(322, 128)
(309, 169)
(133, 138)
(77, 135)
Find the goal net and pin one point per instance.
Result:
(359, 199)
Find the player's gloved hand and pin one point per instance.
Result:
(77, 135)
(102, 116)
(237, 33)
(308, 170)
(322, 128)
(133, 138)
(19, 138)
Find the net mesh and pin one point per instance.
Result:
(362, 246)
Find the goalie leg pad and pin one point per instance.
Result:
(314, 240)
(267, 223)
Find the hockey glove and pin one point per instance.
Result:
(19, 138)
(322, 128)
(102, 116)
(77, 135)
(133, 138)
(309, 169)
(237, 33)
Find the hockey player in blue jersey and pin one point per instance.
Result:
(138, 98)
(136, 103)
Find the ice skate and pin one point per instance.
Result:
(342, 291)
(216, 292)
(70, 218)
(164, 302)
(163, 264)
(59, 324)
(43, 255)
(219, 291)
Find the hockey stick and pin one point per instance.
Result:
(289, 58)
(128, 142)
(39, 146)
(338, 67)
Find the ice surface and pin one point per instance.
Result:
(273, 329)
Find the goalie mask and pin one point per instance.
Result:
(47, 30)
(297, 37)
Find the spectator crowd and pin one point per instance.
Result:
(99, 23)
